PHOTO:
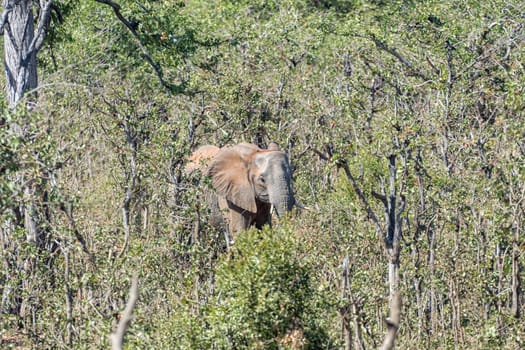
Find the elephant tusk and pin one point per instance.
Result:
(301, 206)
(272, 210)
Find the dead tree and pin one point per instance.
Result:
(394, 206)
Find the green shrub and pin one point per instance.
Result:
(264, 298)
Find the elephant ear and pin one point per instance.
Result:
(229, 173)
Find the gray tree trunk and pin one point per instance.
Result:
(20, 52)
(22, 41)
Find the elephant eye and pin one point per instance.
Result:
(261, 179)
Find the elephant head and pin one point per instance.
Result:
(249, 181)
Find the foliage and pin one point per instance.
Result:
(265, 293)
(263, 297)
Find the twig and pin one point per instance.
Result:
(117, 337)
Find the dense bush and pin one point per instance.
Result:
(264, 297)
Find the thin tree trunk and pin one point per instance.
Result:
(350, 312)
(394, 203)
(499, 261)
(516, 268)
(393, 322)
(345, 309)
(424, 225)
(394, 227)
(516, 281)
(358, 342)
(432, 270)
(117, 337)
(69, 299)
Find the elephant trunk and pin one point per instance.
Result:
(282, 198)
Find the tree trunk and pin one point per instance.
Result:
(20, 53)
(516, 280)
(517, 213)
(394, 204)
(21, 44)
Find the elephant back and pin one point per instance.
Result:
(200, 159)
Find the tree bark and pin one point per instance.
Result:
(20, 58)
(21, 44)
(394, 204)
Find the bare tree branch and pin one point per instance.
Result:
(321, 155)
(362, 198)
(380, 196)
(383, 46)
(392, 322)
(43, 23)
(156, 67)
(341, 163)
(117, 337)
(68, 211)
(7, 8)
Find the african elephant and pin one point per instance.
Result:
(248, 181)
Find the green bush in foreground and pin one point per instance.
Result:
(263, 298)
